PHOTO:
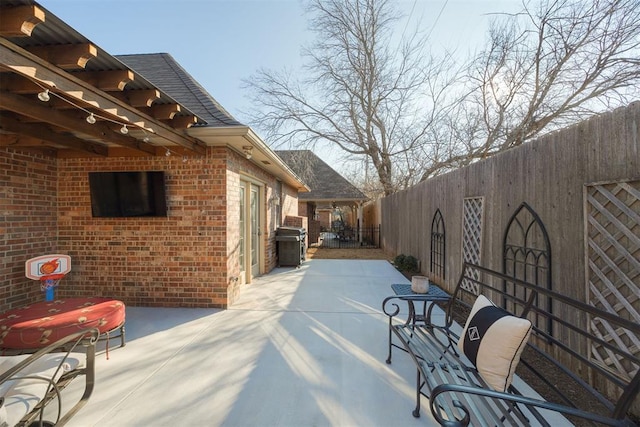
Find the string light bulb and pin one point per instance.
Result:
(44, 96)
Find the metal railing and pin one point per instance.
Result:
(350, 238)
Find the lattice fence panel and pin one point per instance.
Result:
(612, 212)
(472, 237)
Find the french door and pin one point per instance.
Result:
(250, 244)
(255, 232)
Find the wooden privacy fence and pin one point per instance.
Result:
(562, 211)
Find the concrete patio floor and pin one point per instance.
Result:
(302, 347)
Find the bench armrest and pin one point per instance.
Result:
(391, 307)
(508, 397)
(50, 367)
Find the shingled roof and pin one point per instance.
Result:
(169, 76)
(325, 183)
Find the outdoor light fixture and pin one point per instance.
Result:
(91, 118)
(247, 149)
(167, 153)
(44, 95)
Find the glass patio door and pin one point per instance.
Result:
(255, 232)
(243, 231)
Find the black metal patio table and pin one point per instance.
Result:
(435, 294)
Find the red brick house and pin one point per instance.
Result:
(69, 109)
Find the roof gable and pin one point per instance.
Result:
(325, 183)
(163, 71)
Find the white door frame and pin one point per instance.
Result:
(251, 236)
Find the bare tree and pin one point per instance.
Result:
(549, 66)
(364, 91)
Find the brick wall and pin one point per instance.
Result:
(239, 170)
(289, 207)
(235, 279)
(313, 235)
(27, 221)
(178, 260)
(296, 221)
(324, 217)
(304, 209)
(187, 259)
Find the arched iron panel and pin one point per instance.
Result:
(438, 247)
(526, 253)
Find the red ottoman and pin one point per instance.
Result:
(42, 323)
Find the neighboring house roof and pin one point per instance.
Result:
(325, 183)
(170, 77)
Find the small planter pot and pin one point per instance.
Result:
(420, 284)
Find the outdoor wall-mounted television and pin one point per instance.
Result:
(126, 194)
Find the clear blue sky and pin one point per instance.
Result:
(221, 42)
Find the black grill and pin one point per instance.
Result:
(292, 247)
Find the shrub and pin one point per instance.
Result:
(407, 263)
(411, 264)
(398, 261)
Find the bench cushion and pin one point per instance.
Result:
(37, 325)
(493, 340)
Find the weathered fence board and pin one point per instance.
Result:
(553, 175)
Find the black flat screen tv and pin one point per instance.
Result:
(127, 194)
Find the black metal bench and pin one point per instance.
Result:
(561, 343)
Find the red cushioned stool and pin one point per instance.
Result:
(37, 325)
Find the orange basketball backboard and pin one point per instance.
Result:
(47, 265)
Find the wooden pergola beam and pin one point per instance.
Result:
(27, 143)
(41, 132)
(44, 113)
(164, 111)
(32, 67)
(22, 141)
(142, 98)
(182, 122)
(68, 57)
(13, 83)
(19, 21)
(109, 81)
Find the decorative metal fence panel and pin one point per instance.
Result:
(526, 254)
(351, 238)
(473, 208)
(438, 246)
(612, 215)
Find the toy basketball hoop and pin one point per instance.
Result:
(49, 270)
